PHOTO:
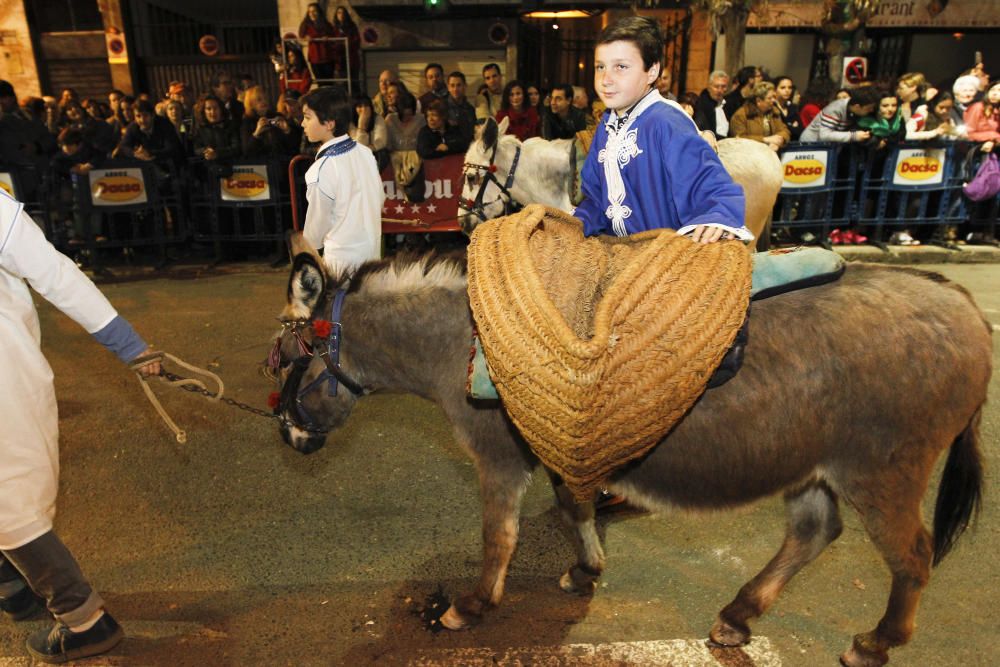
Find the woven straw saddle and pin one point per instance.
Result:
(599, 346)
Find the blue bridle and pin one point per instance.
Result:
(333, 374)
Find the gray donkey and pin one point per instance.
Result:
(898, 359)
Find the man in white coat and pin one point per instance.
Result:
(32, 558)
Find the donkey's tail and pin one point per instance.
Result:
(960, 493)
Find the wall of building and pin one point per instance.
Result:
(699, 53)
(17, 59)
(941, 57)
(780, 55)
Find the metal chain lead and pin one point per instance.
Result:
(229, 401)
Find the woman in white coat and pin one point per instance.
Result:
(31, 555)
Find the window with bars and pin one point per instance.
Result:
(65, 15)
(169, 32)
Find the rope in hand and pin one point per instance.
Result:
(175, 381)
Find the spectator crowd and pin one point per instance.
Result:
(63, 137)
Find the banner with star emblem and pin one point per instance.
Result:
(438, 212)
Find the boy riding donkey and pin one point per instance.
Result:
(664, 174)
(648, 167)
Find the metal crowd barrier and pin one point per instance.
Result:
(239, 202)
(130, 204)
(910, 185)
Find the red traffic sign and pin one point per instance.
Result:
(855, 70)
(209, 45)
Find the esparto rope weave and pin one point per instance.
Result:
(598, 346)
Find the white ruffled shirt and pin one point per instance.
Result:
(345, 196)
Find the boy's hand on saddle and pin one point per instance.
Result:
(709, 234)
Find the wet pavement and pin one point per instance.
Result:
(233, 549)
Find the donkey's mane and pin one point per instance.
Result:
(409, 271)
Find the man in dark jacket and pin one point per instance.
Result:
(437, 87)
(461, 114)
(223, 87)
(151, 137)
(562, 120)
(709, 111)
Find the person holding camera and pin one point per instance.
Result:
(265, 132)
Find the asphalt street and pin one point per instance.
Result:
(233, 549)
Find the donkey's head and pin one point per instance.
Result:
(316, 392)
(482, 197)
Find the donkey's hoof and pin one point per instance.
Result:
(729, 635)
(453, 620)
(860, 656)
(578, 582)
(463, 613)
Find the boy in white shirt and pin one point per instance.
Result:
(343, 186)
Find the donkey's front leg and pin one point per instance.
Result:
(582, 576)
(502, 493)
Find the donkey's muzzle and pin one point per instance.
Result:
(301, 441)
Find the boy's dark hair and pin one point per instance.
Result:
(331, 103)
(642, 31)
(438, 107)
(492, 66)
(144, 106)
(70, 137)
(863, 96)
(436, 66)
(458, 75)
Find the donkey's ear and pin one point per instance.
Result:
(504, 124)
(297, 244)
(490, 133)
(305, 286)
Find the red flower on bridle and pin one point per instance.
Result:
(273, 399)
(322, 328)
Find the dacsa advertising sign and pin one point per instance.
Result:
(804, 169)
(7, 183)
(248, 183)
(917, 166)
(117, 187)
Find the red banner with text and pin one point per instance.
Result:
(438, 212)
